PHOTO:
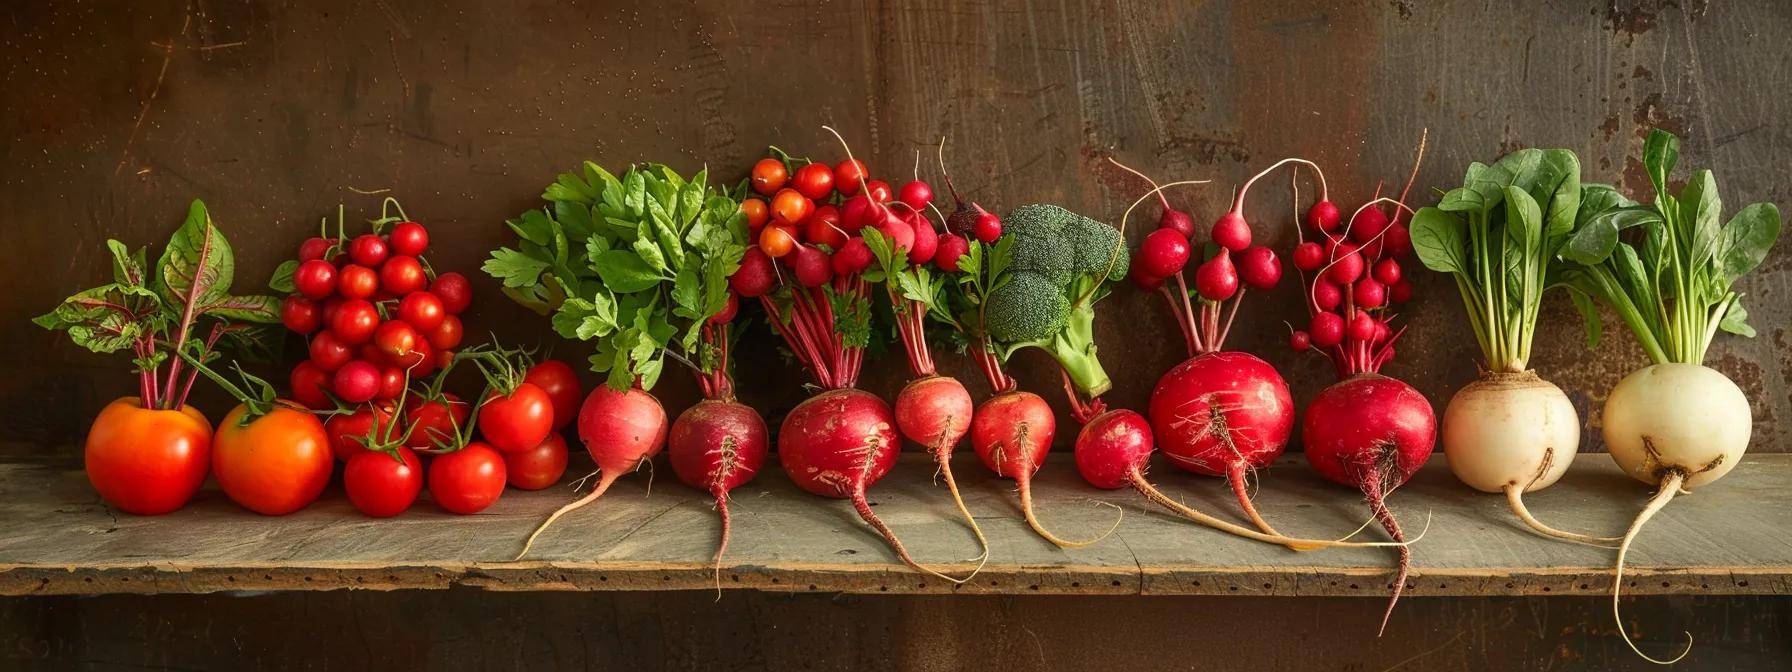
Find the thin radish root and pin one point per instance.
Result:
(721, 495)
(943, 457)
(603, 484)
(1025, 483)
(860, 504)
(1515, 498)
(1236, 474)
(1152, 493)
(1379, 506)
(1670, 486)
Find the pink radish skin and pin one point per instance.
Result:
(1223, 414)
(935, 411)
(621, 430)
(1111, 446)
(716, 446)
(1011, 433)
(1371, 432)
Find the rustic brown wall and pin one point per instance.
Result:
(116, 113)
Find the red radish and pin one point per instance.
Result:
(1309, 256)
(1011, 433)
(898, 230)
(1369, 294)
(755, 276)
(952, 246)
(1223, 414)
(1372, 433)
(716, 446)
(1171, 219)
(1163, 254)
(1217, 279)
(1299, 341)
(622, 430)
(1326, 295)
(1324, 216)
(1387, 271)
(988, 228)
(1368, 225)
(926, 239)
(1231, 232)
(916, 194)
(1260, 268)
(810, 266)
(856, 212)
(851, 259)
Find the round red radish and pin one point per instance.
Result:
(1163, 254)
(934, 411)
(952, 246)
(1327, 329)
(1309, 256)
(1347, 267)
(916, 194)
(927, 240)
(1401, 292)
(1217, 278)
(852, 258)
(1397, 241)
(1362, 327)
(1231, 232)
(755, 277)
(1369, 294)
(1386, 272)
(1324, 216)
(1327, 295)
(1368, 224)
(716, 446)
(1215, 412)
(1178, 221)
(621, 431)
(838, 443)
(857, 212)
(900, 232)
(1144, 280)
(1112, 447)
(988, 227)
(1011, 433)
(1300, 341)
(810, 266)
(1259, 267)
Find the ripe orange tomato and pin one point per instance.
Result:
(776, 241)
(791, 208)
(756, 212)
(277, 464)
(769, 175)
(146, 461)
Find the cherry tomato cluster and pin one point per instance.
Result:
(371, 312)
(1357, 278)
(808, 217)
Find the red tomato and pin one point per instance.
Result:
(403, 275)
(381, 485)
(145, 461)
(274, 466)
(537, 467)
(467, 480)
(369, 421)
(396, 341)
(789, 207)
(392, 382)
(518, 421)
(368, 250)
(561, 383)
(315, 279)
(756, 211)
(314, 248)
(815, 181)
(409, 239)
(308, 383)
(769, 176)
(354, 321)
(454, 291)
(879, 191)
(447, 334)
(355, 281)
(329, 353)
(435, 421)
(422, 310)
(421, 362)
(823, 228)
(848, 175)
(300, 314)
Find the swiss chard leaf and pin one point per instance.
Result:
(197, 266)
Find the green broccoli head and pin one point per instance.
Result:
(1039, 244)
(1095, 244)
(1029, 307)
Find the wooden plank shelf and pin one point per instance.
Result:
(1731, 538)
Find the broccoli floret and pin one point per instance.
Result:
(1060, 267)
(1028, 308)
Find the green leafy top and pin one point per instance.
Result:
(1498, 234)
(154, 310)
(1676, 292)
(636, 264)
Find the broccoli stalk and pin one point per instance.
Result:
(1061, 266)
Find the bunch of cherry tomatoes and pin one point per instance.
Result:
(808, 216)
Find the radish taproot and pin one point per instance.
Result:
(1674, 424)
(1510, 431)
(640, 320)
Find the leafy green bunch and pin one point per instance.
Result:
(636, 264)
(1675, 292)
(157, 311)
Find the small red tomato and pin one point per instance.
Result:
(537, 467)
(308, 383)
(468, 480)
(436, 421)
(848, 176)
(315, 279)
(879, 191)
(561, 383)
(382, 485)
(395, 340)
(328, 352)
(516, 421)
(354, 321)
(368, 250)
(790, 208)
(300, 314)
(823, 228)
(355, 281)
(422, 310)
(356, 382)
(769, 175)
(392, 382)
(454, 291)
(446, 335)
(409, 239)
(403, 275)
(368, 421)
(814, 181)
(314, 248)
(757, 212)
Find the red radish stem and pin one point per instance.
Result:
(1171, 219)
(622, 431)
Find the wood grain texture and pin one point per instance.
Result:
(1733, 538)
(276, 112)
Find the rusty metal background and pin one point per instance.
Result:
(118, 112)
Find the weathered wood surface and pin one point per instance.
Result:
(1731, 538)
(117, 113)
